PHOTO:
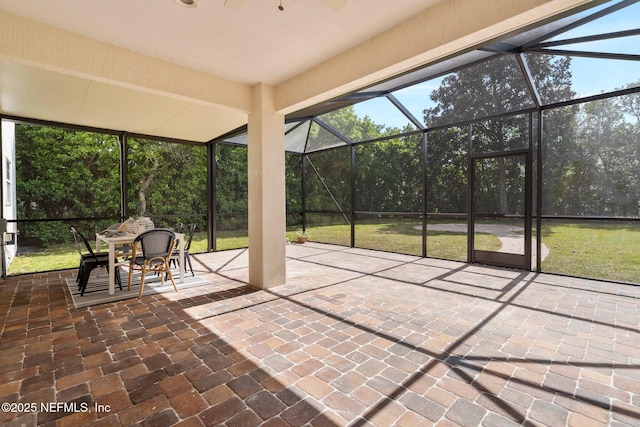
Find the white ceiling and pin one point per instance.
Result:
(252, 44)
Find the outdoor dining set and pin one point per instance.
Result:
(135, 245)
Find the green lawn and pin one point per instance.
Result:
(57, 257)
(401, 236)
(605, 251)
(62, 256)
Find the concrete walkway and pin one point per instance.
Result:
(512, 237)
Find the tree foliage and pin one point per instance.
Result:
(389, 175)
(494, 87)
(64, 175)
(609, 158)
(232, 187)
(447, 170)
(166, 178)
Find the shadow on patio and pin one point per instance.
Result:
(356, 337)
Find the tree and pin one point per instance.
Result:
(492, 88)
(610, 145)
(447, 170)
(62, 174)
(328, 180)
(166, 178)
(75, 176)
(591, 158)
(388, 175)
(231, 187)
(293, 183)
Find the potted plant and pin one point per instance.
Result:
(302, 236)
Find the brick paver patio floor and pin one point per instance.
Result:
(356, 337)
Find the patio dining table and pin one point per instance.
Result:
(127, 239)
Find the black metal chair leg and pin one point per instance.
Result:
(84, 280)
(79, 271)
(190, 266)
(80, 274)
(117, 277)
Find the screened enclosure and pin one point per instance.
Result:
(522, 153)
(91, 180)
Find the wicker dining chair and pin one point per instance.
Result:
(151, 253)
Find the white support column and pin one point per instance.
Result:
(267, 211)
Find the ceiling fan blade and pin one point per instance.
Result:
(233, 4)
(335, 5)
